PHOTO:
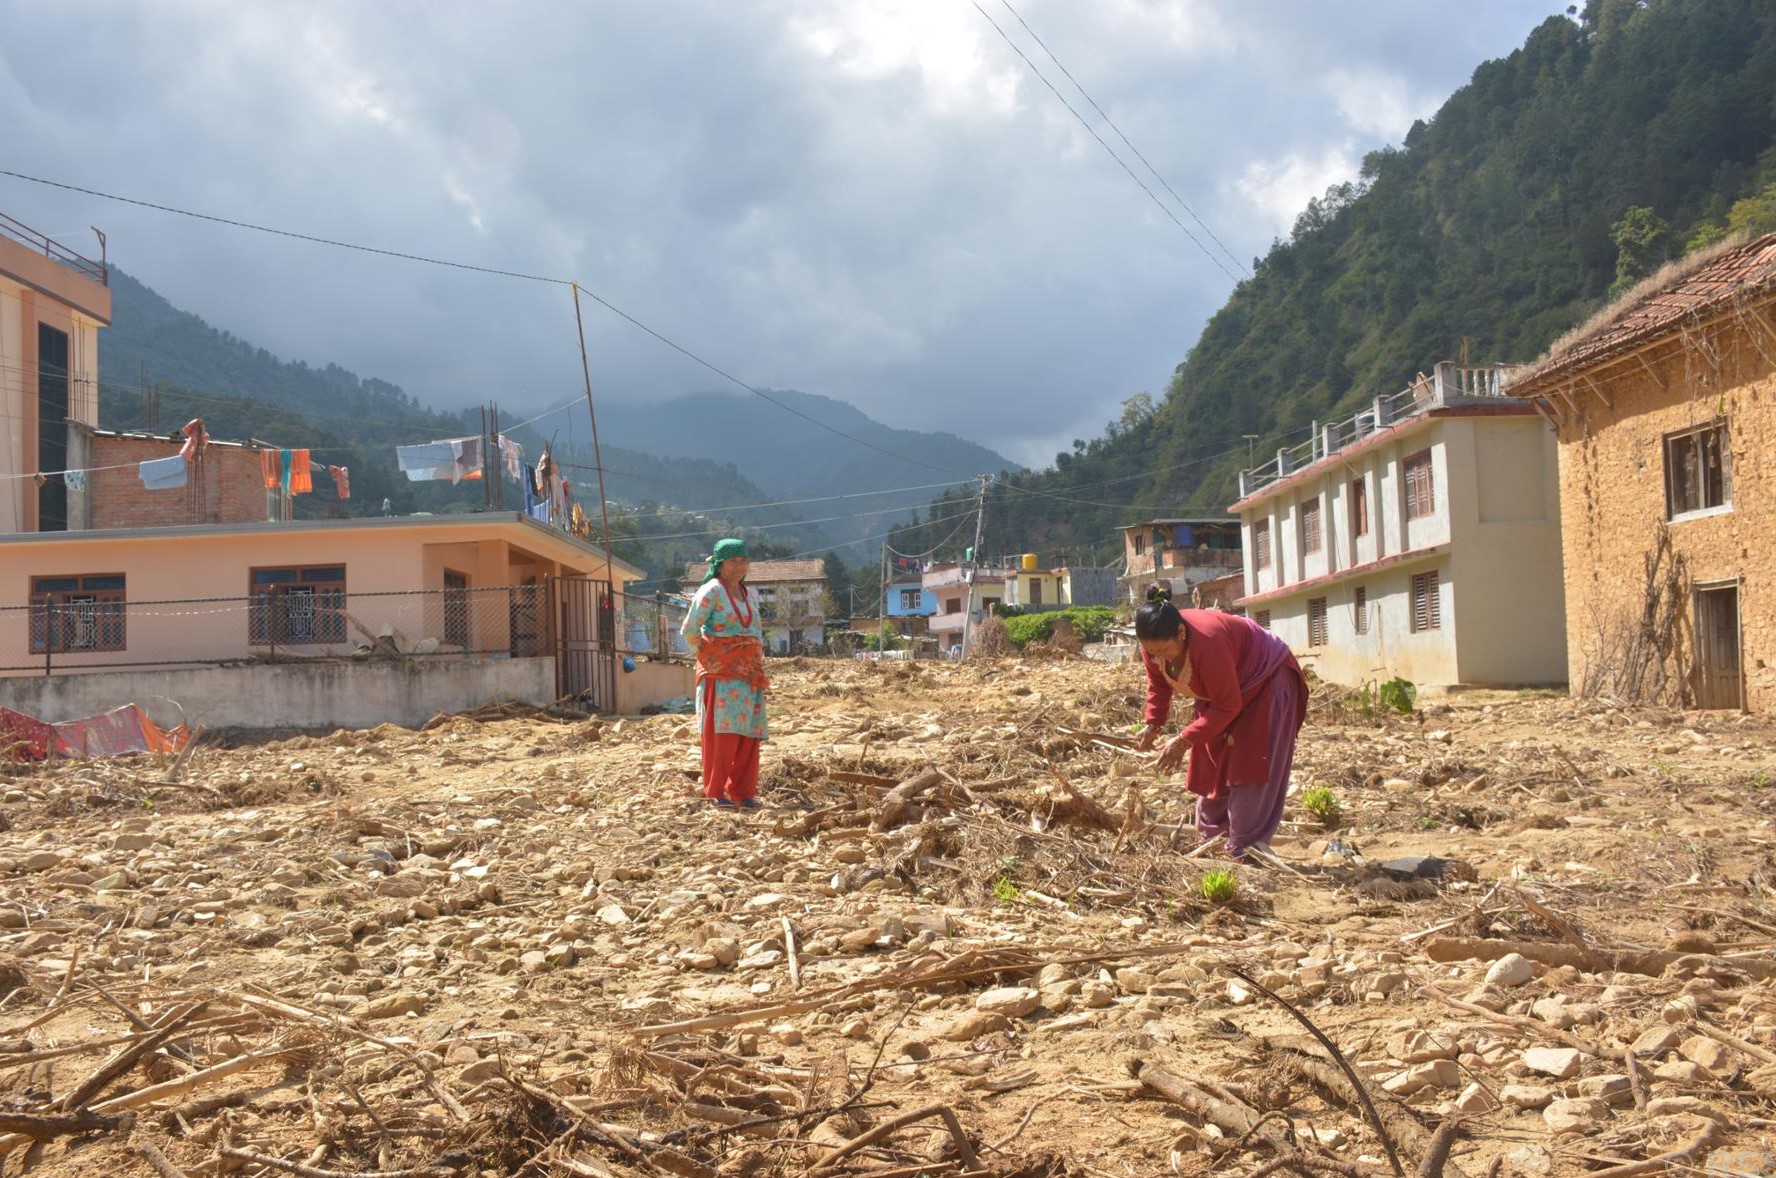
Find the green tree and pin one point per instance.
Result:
(1641, 247)
(1754, 215)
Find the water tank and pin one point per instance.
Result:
(1030, 565)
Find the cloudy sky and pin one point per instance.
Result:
(877, 200)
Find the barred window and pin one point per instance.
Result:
(1310, 525)
(80, 613)
(1359, 507)
(456, 609)
(1361, 601)
(1427, 608)
(1316, 621)
(1261, 544)
(1421, 495)
(1262, 617)
(296, 606)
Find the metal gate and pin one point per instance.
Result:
(584, 620)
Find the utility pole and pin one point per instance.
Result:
(1250, 440)
(980, 519)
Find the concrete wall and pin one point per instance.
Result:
(291, 695)
(652, 684)
(1612, 492)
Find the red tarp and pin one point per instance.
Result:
(121, 730)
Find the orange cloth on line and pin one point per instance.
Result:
(301, 479)
(272, 468)
(736, 656)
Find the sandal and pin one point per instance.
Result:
(750, 804)
(724, 803)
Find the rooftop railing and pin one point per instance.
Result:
(18, 231)
(1448, 384)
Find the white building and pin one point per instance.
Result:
(1420, 538)
(792, 601)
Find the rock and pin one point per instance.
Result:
(1513, 969)
(1054, 974)
(1531, 1159)
(1584, 1115)
(481, 1072)
(1680, 1071)
(392, 1005)
(1134, 981)
(39, 861)
(1656, 1042)
(975, 1024)
(1695, 1106)
(1475, 1099)
(786, 1034)
(1489, 998)
(1240, 994)
(1014, 1001)
(1560, 1062)
(1527, 1096)
(1096, 995)
(534, 961)
(1613, 1089)
(723, 949)
(613, 914)
(1439, 1073)
(1419, 1047)
(1704, 1052)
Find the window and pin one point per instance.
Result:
(70, 614)
(1262, 617)
(1035, 591)
(1140, 543)
(953, 605)
(456, 609)
(1361, 602)
(296, 606)
(1359, 507)
(1427, 610)
(1316, 621)
(1698, 470)
(909, 599)
(1421, 497)
(1261, 543)
(1310, 526)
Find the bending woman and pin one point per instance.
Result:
(1251, 699)
(724, 630)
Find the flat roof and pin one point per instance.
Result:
(541, 532)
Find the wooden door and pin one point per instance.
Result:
(1718, 678)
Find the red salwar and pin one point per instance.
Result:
(730, 761)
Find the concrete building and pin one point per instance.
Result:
(1180, 552)
(949, 585)
(1666, 415)
(1030, 587)
(52, 304)
(1419, 538)
(1082, 586)
(909, 604)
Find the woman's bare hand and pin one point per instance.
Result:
(1173, 754)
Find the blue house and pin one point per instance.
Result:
(908, 598)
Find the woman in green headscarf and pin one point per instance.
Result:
(727, 634)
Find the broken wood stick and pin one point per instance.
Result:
(1236, 1119)
(125, 1059)
(789, 955)
(901, 796)
(1671, 1158)
(970, 1163)
(43, 1126)
(1651, 962)
(1323, 1074)
(1536, 1026)
(304, 1171)
(158, 1160)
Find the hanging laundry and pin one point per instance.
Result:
(301, 473)
(341, 480)
(514, 456)
(543, 512)
(545, 475)
(428, 460)
(578, 524)
(271, 468)
(195, 439)
(466, 459)
(163, 474)
(76, 479)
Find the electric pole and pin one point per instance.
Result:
(980, 519)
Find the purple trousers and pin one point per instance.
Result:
(1250, 812)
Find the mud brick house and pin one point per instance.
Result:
(1666, 414)
(1420, 538)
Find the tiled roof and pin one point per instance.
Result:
(1714, 284)
(764, 572)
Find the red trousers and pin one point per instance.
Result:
(730, 761)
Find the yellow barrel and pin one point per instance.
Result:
(1029, 562)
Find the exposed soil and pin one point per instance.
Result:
(484, 948)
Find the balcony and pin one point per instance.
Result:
(1449, 384)
(946, 623)
(18, 231)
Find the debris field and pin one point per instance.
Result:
(967, 935)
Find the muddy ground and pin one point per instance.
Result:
(963, 935)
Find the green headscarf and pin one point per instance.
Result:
(724, 550)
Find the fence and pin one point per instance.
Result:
(650, 624)
(93, 626)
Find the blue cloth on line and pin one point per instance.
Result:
(163, 474)
(76, 479)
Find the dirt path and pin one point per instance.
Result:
(464, 951)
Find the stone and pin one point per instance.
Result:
(787, 1034)
(1613, 1089)
(40, 861)
(1134, 981)
(1527, 1096)
(1475, 1099)
(723, 949)
(392, 1006)
(613, 914)
(1680, 1071)
(1583, 1115)
(1705, 1053)
(1513, 969)
(1531, 1159)
(1560, 1062)
(1656, 1042)
(975, 1024)
(1438, 1073)
(1554, 1012)
(1096, 995)
(1014, 1001)
(1240, 994)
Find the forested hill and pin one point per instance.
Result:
(1601, 148)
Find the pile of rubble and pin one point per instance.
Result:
(968, 935)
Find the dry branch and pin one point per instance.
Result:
(1650, 962)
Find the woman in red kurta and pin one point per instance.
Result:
(1250, 701)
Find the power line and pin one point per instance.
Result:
(1125, 139)
(1092, 131)
(431, 261)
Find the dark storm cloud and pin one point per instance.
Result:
(873, 201)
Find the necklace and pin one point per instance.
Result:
(734, 608)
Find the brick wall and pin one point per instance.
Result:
(1613, 494)
(226, 487)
